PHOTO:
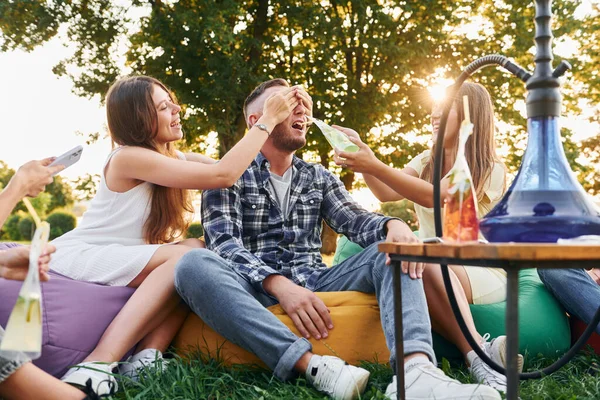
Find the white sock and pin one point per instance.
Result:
(413, 362)
(311, 370)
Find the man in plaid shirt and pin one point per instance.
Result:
(264, 234)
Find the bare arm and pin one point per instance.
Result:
(29, 180)
(9, 198)
(382, 191)
(201, 158)
(407, 185)
(387, 183)
(136, 163)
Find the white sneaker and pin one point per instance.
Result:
(426, 381)
(148, 358)
(336, 378)
(496, 350)
(484, 374)
(101, 376)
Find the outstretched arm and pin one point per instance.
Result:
(382, 191)
(29, 180)
(136, 163)
(402, 182)
(344, 215)
(201, 158)
(384, 180)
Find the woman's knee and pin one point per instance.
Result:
(181, 249)
(554, 276)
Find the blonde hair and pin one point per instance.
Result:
(133, 121)
(480, 149)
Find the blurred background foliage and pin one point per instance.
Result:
(367, 64)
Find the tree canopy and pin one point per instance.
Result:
(366, 63)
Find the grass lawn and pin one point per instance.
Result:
(202, 378)
(206, 379)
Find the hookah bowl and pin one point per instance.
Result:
(545, 201)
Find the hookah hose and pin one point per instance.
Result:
(522, 74)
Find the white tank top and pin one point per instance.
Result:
(108, 246)
(113, 217)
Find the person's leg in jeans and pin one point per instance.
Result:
(575, 290)
(231, 306)
(366, 272)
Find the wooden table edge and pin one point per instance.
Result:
(496, 251)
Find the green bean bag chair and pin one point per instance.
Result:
(543, 324)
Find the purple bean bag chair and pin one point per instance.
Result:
(75, 315)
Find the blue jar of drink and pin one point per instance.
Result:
(545, 201)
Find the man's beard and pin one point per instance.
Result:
(284, 140)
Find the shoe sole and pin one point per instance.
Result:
(360, 384)
(490, 395)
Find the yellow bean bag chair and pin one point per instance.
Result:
(357, 334)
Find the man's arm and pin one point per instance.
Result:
(344, 215)
(222, 216)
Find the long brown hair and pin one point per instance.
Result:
(481, 146)
(133, 121)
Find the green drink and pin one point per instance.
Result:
(24, 328)
(337, 139)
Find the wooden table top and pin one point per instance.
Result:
(496, 251)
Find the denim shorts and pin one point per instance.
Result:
(9, 365)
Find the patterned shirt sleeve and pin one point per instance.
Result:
(346, 216)
(222, 218)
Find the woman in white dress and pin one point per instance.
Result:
(140, 207)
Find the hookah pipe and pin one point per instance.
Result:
(543, 100)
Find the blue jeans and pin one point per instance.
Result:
(228, 303)
(575, 290)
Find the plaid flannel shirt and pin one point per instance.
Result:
(244, 223)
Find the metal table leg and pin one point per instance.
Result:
(398, 330)
(512, 333)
